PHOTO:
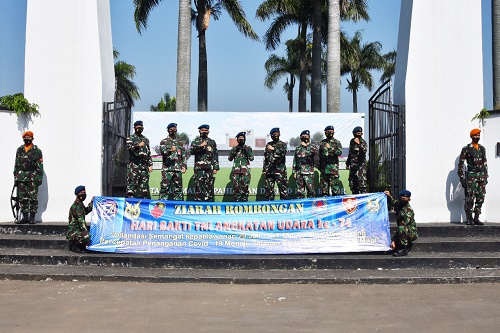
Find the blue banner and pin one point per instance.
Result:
(352, 223)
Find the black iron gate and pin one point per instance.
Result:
(387, 165)
(116, 120)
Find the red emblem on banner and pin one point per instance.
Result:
(157, 209)
(350, 205)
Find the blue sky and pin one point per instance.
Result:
(235, 64)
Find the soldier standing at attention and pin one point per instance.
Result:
(78, 233)
(303, 166)
(28, 174)
(329, 151)
(406, 233)
(473, 180)
(139, 164)
(174, 164)
(356, 162)
(206, 164)
(274, 168)
(241, 155)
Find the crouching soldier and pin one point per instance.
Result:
(406, 233)
(78, 233)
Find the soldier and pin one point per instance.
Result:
(356, 162)
(303, 166)
(473, 180)
(274, 169)
(78, 232)
(28, 175)
(174, 164)
(139, 164)
(240, 174)
(206, 164)
(406, 233)
(329, 151)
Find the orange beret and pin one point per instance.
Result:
(475, 131)
(28, 133)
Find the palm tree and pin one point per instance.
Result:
(278, 67)
(183, 83)
(316, 57)
(204, 9)
(354, 10)
(495, 21)
(287, 13)
(124, 73)
(389, 66)
(357, 60)
(166, 104)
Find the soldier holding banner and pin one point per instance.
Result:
(241, 155)
(329, 151)
(356, 162)
(78, 233)
(274, 168)
(303, 166)
(139, 164)
(173, 164)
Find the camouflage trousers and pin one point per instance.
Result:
(404, 236)
(27, 192)
(138, 181)
(330, 185)
(305, 185)
(171, 182)
(357, 178)
(476, 190)
(281, 180)
(79, 237)
(241, 182)
(204, 185)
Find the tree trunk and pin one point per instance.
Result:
(495, 21)
(333, 58)
(316, 58)
(183, 84)
(290, 93)
(354, 101)
(303, 69)
(202, 62)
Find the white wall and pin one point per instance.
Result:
(69, 73)
(439, 78)
(490, 137)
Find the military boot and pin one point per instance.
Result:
(470, 221)
(24, 220)
(476, 220)
(32, 218)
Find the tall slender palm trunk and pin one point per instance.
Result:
(495, 21)
(333, 58)
(303, 69)
(316, 58)
(183, 84)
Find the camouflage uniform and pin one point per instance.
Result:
(303, 170)
(329, 167)
(138, 166)
(173, 164)
(274, 170)
(406, 233)
(356, 162)
(206, 160)
(474, 180)
(77, 228)
(240, 174)
(28, 173)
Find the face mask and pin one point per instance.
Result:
(402, 203)
(172, 133)
(275, 137)
(138, 130)
(306, 140)
(475, 140)
(204, 135)
(28, 142)
(241, 142)
(82, 197)
(329, 135)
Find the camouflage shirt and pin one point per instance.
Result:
(357, 152)
(476, 162)
(173, 160)
(76, 218)
(207, 157)
(303, 160)
(137, 154)
(329, 157)
(28, 166)
(242, 157)
(405, 217)
(274, 160)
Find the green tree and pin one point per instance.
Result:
(357, 61)
(204, 9)
(124, 73)
(389, 66)
(183, 80)
(166, 103)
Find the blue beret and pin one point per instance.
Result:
(276, 129)
(171, 125)
(329, 127)
(204, 126)
(138, 123)
(241, 134)
(405, 193)
(79, 188)
(305, 132)
(357, 129)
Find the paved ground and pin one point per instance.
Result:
(50, 306)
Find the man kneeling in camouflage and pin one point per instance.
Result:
(78, 234)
